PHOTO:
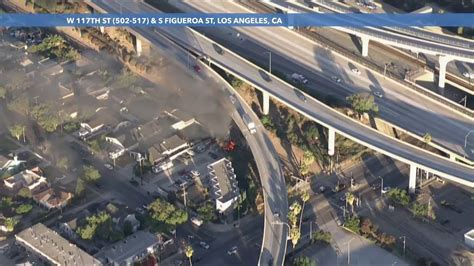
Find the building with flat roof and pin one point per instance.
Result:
(224, 184)
(53, 248)
(133, 248)
(173, 144)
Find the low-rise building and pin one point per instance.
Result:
(173, 145)
(52, 248)
(31, 179)
(224, 185)
(52, 199)
(103, 119)
(133, 248)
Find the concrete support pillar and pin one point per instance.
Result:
(443, 62)
(331, 141)
(138, 46)
(141, 47)
(452, 157)
(412, 180)
(102, 29)
(365, 46)
(266, 103)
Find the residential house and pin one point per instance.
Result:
(69, 227)
(121, 142)
(52, 248)
(103, 119)
(132, 249)
(120, 215)
(224, 184)
(183, 119)
(31, 179)
(52, 199)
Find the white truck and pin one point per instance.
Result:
(250, 124)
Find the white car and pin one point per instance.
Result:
(386, 189)
(336, 79)
(204, 245)
(378, 94)
(109, 166)
(468, 75)
(233, 250)
(355, 70)
(299, 78)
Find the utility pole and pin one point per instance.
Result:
(184, 197)
(404, 241)
(381, 186)
(269, 61)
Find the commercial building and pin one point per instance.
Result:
(52, 248)
(224, 185)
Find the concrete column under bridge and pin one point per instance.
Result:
(412, 179)
(331, 141)
(365, 45)
(266, 103)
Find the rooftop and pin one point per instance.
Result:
(172, 143)
(223, 179)
(51, 245)
(132, 245)
(26, 178)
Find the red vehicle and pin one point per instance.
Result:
(230, 146)
(197, 68)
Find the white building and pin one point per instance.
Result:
(224, 184)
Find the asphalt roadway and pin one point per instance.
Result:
(399, 105)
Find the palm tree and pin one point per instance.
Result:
(350, 198)
(188, 251)
(304, 198)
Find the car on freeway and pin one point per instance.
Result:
(298, 78)
(378, 94)
(109, 166)
(336, 79)
(233, 250)
(276, 214)
(204, 245)
(300, 95)
(386, 189)
(375, 186)
(355, 70)
(197, 68)
(468, 75)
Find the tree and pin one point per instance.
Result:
(63, 163)
(10, 223)
(308, 159)
(162, 211)
(399, 196)
(350, 198)
(24, 208)
(90, 174)
(207, 212)
(24, 193)
(99, 224)
(80, 188)
(304, 198)
(427, 138)
(423, 210)
(188, 251)
(303, 261)
(367, 228)
(20, 105)
(295, 210)
(127, 228)
(311, 132)
(268, 123)
(322, 236)
(6, 202)
(386, 239)
(353, 223)
(3, 92)
(295, 235)
(45, 116)
(17, 131)
(362, 103)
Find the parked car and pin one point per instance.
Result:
(204, 245)
(375, 186)
(197, 221)
(339, 187)
(322, 189)
(140, 210)
(213, 155)
(109, 166)
(233, 250)
(468, 75)
(200, 148)
(134, 182)
(386, 189)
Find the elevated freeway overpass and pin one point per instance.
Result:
(416, 40)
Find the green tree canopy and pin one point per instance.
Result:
(17, 130)
(90, 174)
(24, 193)
(322, 236)
(10, 223)
(24, 208)
(363, 103)
(207, 212)
(303, 261)
(45, 116)
(399, 196)
(96, 225)
(353, 223)
(165, 212)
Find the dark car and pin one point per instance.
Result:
(134, 182)
(300, 95)
(197, 68)
(213, 155)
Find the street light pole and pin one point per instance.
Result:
(404, 241)
(269, 61)
(465, 138)
(349, 251)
